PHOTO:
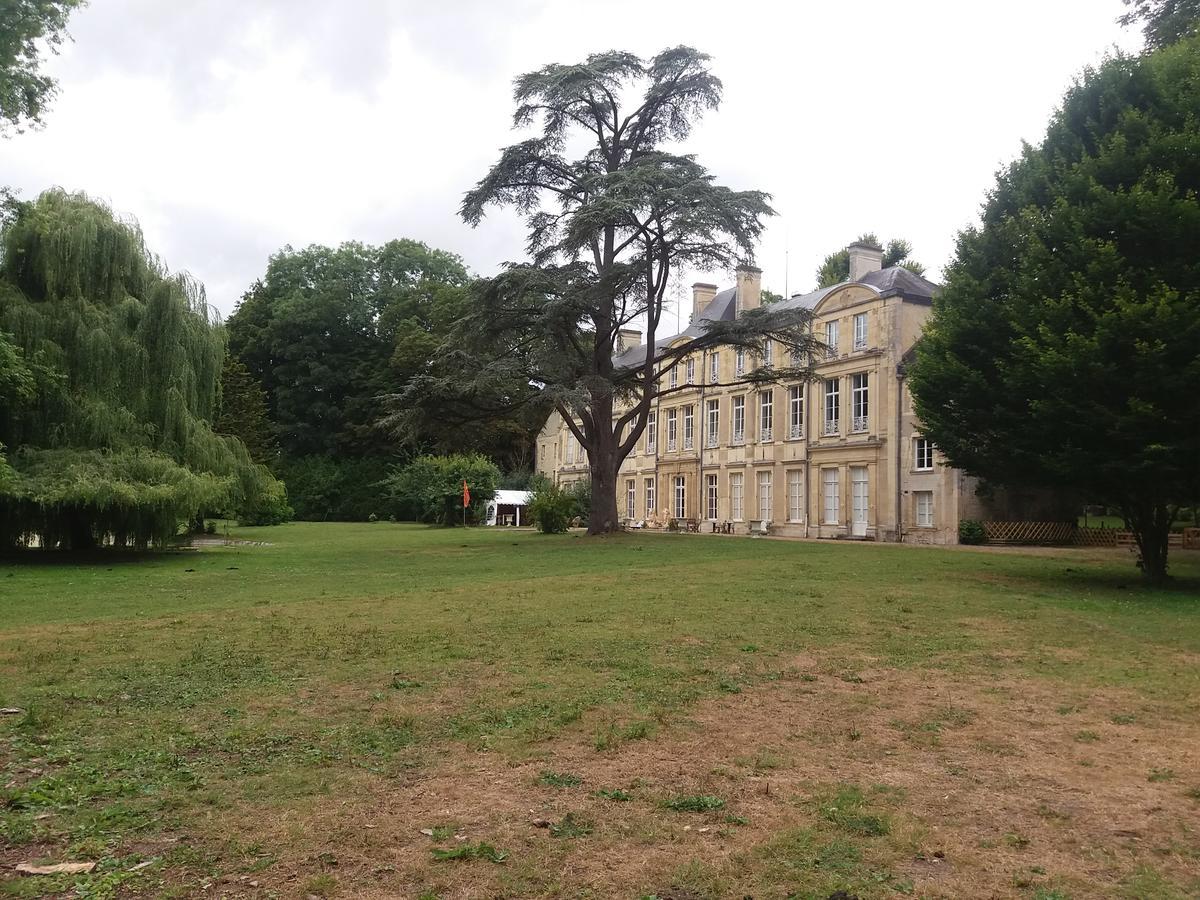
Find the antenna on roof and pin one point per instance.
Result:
(786, 253)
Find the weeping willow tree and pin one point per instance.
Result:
(110, 439)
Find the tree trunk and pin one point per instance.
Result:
(1150, 523)
(603, 518)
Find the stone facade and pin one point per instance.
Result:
(841, 456)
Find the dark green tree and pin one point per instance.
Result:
(607, 230)
(1163, 21)
(836, 266)
(107, 419)
(26, 27)
(1063, 348)
(319, 333)
(243, 412)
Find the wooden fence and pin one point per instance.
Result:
(1064, 533)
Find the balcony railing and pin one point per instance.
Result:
(860, 343)
(795, 432)
(688, 442)
(739, 436)
(712, 440)
(764, 434)
(832, 427)
(831, 352)
(670, 443)
(858, 423)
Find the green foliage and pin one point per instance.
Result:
(1062, 351)
(971, 532)
(330, 330)
(433, 486)
(571, 827)
(325, 488)
(835, 268)
(696, 803)
(558, 779)
(243, 412)
(480, 850)
(551, 508)
(27, 27)
(848, 809)
(112, 387)
(1163, 21)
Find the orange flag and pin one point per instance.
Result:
(466, 494)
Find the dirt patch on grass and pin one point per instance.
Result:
(983, 788)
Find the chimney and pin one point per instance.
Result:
(864, 258)
(702, 295)
(749, 287)
(628, 338)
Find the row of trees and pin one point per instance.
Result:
(317, 345)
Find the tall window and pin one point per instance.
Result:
(768, 356)
(739, 419)
(630, 498)
(680, 497)
(796, 411)
(831, 339)
(710, 490)
(923, 454)
(737, 484)
(766, 414)
(672, 429)
(924, 508)
(764, 496)
(860, 331)
(674, 376)
(691, 370)
(739, 367)
(795, 488)
(651, 431)
(858, 402)
(651, 499)
(832, 406)
(829, 484)
(689, 427)
(712, 423)
(714, 368)
(570, 448)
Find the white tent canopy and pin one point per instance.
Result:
(517, 500)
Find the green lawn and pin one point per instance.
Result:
(284, 720)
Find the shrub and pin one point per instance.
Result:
(322, 488)
(433, 485)
(551, 509)
(971, 532)
(266, 506)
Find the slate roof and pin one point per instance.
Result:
(890, 282)
(722, 307)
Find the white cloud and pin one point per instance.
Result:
(232, 127)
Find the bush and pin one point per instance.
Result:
(552, 508)
(581, 493)
(322, 488)
(432, 485)
(268, 506)
(971, 532)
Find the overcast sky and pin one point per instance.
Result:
(230, 128)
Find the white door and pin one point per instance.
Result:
(829, 478)
(858, 482)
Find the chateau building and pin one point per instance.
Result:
(841, 456)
